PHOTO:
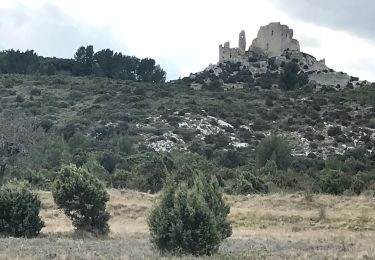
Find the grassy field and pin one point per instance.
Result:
(278, 226)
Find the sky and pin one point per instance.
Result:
(183, 35)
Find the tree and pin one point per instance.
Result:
(158, 75)
(276, 149)
(83, 199)
(150, 175)
(289, 78)
(20, 62)
(125, 67)
(145, 69)
(105, 60)
(19, 211)
(17, 134)
(84, 58)
(190, 219)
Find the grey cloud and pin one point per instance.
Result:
(50, 32)
(308, 41)
(353, 16)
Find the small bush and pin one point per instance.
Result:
(109, 161)
(83, 199)
(149, 175)
(276, 149)
(334, 131)
(335, 182)
(19, 99)
(35, 92)
(119, 179)
(19, 211)
(190, 219)
(46, 124)
(126, 145)
(247, 183)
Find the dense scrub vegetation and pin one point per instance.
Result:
(115, 123)
(112, 127)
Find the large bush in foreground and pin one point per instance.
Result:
(19, 211)
(274, 148)
(83, 199)
(190, 219)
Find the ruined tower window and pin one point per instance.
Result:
(272, 33)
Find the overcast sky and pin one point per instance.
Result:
(183, 36)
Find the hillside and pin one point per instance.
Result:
(93, 114)
(257, 115)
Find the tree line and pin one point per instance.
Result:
(104, 63)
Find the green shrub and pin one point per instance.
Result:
(230, 158)
(19, 99)
(126, 146)
(19, 211)
(49, 153)
(276, 149)
(109, 161)
(78, 143)
(333, 163)
(93, 166)
(247, 183)
(289, 77)
(46, 124)
(190, 219)
(187, 165)
(335, 182)
(149, 175)
(334, 131)
(38, 180)
(270, 168)
(119, 179)
(371, 123)
(83, 199)
(35, 92)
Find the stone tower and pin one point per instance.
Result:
(242, 42)
(274, 39)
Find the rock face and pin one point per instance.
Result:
(274, 39)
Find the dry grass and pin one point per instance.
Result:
(278, 226)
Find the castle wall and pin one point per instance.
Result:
(272, 41)
(226, 53)
(274, 38)
(242, 42)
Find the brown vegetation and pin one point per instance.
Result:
(278, 226)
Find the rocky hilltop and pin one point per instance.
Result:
(273, 48)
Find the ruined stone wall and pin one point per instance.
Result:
(274, 39)
(242, 42)
(226, 53)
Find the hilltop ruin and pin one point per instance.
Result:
(272, 41)
(274, 47)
